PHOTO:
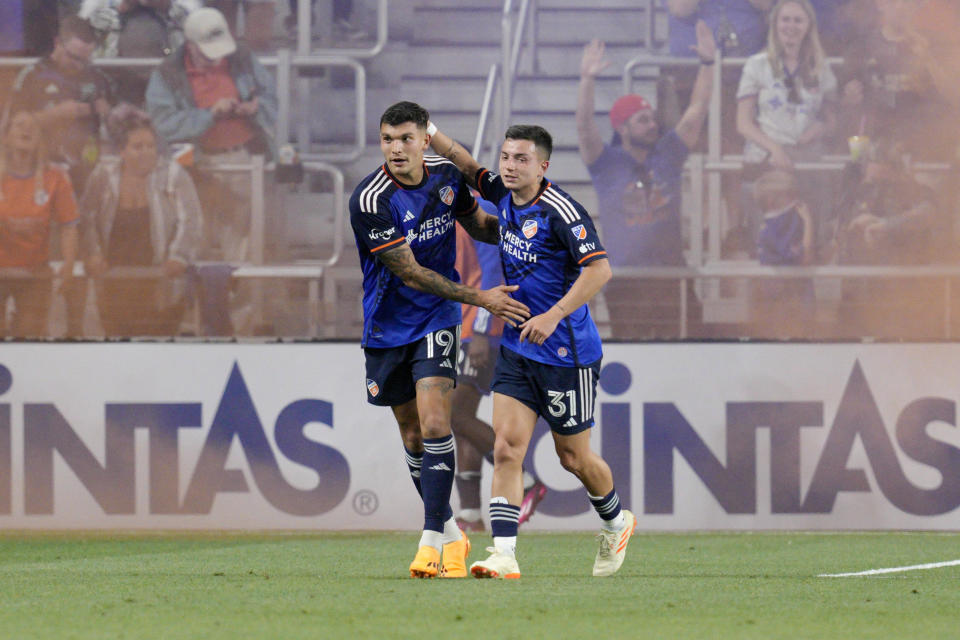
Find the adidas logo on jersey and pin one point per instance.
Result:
(440, 467)
(446, 364)
(409, 216)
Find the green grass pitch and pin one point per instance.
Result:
(355, 586)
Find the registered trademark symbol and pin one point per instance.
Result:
(365, 502)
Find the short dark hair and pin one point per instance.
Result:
(76, 27)
(403, 112)
(539, 136)
(124, 119)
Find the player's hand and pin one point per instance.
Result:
(498, 302)
(593, 61)
(538, 328)
(480, 350)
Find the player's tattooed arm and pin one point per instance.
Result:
(455, 153)
(481, 226)
(401, 262)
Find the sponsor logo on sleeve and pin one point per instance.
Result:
(382, 234)
(587, 247)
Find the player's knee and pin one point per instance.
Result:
(506, 452)
(410, 435)
(434, 426)
(571, 460)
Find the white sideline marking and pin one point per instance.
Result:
(875, 572)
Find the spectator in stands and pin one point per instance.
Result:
(637, 177)
(786, 104)
(739, 29)
(782, 307)
(739, 26)
(901, 77)
(258, 17)
(137, 29)
(70, 97)
(888, 217)
(141, 211)
(33, 195)
(218, 97)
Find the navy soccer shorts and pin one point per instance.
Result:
(392, 372)
(470, 373)
(563, 396)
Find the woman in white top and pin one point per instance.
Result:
(786, 99)
(787, 92)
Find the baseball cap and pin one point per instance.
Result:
(207, 28)
(626, 106)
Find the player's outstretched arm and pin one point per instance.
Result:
(455, 153)
(480, 225)
(497, 300)
(591, 279)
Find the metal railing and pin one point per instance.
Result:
(512, 28)
(304, 33)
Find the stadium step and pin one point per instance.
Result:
(564, 25)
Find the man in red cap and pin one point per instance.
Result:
(637, 177)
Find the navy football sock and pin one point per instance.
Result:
(436, 481)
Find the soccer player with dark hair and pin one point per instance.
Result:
(549, 364)
(403, 217)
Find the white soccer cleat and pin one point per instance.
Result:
(613, 547)
(498, 565)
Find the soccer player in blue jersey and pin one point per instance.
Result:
(403, 217)
(548, 365)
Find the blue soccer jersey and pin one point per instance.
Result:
(385, 213)
(543, 246)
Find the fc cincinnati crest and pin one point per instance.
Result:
(446, 195)
(373, 387)
(562, 352)
(529, 229)
(579, 232)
